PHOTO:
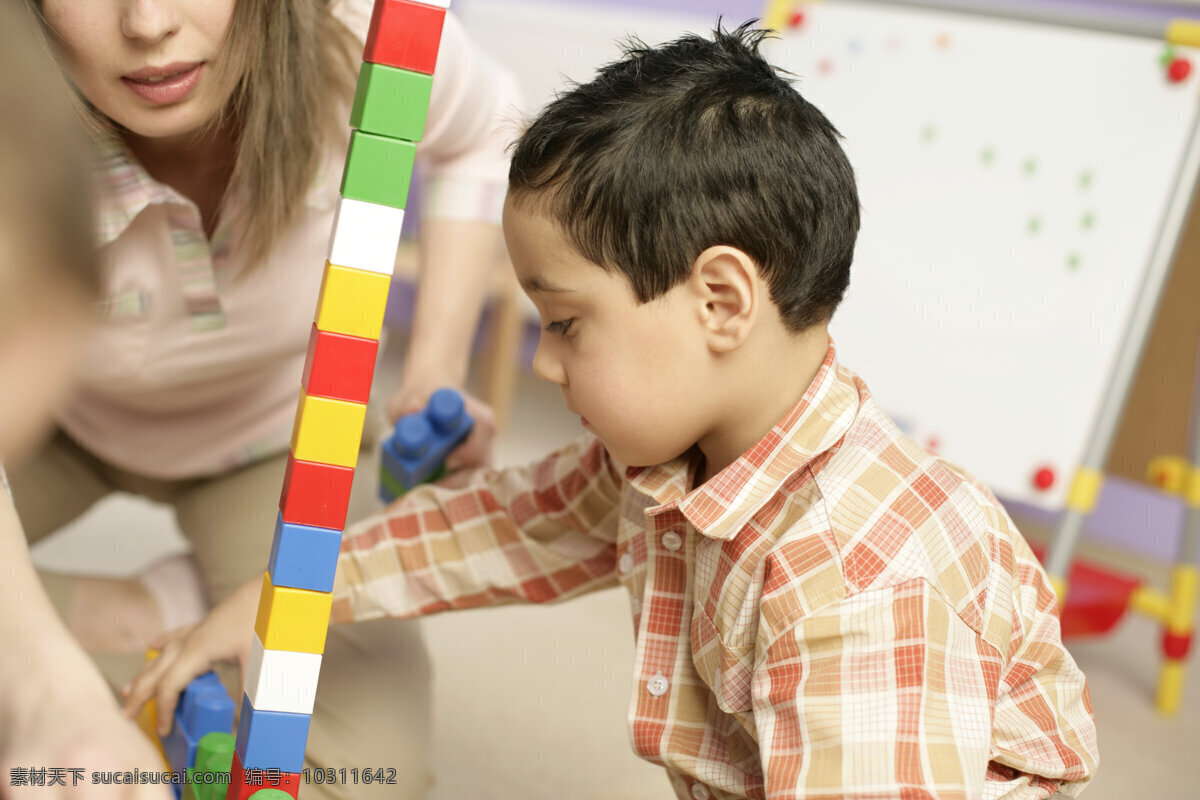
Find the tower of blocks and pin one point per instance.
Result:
(388, 117)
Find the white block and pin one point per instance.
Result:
(365, 236)
(438, 3)
(278, 680)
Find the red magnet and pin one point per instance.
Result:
(1043, 479)
(1179, 69)
(797, 19)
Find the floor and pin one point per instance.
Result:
(531, 701)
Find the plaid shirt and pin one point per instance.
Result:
(837, 614)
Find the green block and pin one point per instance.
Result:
(270, 794)
(215, 752)
(391, 102)
(378, 169)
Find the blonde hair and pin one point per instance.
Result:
(293, 66)
(46, 229)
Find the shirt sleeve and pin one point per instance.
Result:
(889, 694)
(533, 534)
(474, 114)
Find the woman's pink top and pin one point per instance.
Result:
(193, 371)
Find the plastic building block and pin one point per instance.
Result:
(328, 431)
(391, 102)
(352, 301)
(421, 441)
(204, 707)
(269, 740)
(378, 169)
(147, 719)
(245, 783)
(270, 794)
(214, 755)
(365, 236)
(278, 680)
(315, 494)
(339, 366)
(303, 556)
(292, 619)
(405, 34)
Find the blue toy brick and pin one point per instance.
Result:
(271, 739)
(421, 441)
(303, 556)
(204, 707)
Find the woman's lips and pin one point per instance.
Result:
(164, 85)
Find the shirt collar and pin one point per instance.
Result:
(124, 188)
(727, 502)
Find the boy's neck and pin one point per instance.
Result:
(760, 390)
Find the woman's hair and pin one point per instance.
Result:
(292, 64)
(46, 229)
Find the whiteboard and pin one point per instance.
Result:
(1013, 177)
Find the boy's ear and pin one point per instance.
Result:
(726, 282)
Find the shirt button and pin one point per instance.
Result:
(672, 541)
(700, 791)
(658, 685)
(625, 562)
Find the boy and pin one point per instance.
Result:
(822, 608)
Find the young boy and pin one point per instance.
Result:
(822, 608)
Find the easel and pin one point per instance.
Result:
(1174, 608)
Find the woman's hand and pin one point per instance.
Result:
(64, 718)
(224, 635)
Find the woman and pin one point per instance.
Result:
(221, 131)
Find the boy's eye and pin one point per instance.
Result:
(559, 326)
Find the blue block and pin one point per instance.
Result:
(304, 556)
(203, 707)
(271, 739)
(421, 441)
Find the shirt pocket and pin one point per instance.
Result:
(727, 669)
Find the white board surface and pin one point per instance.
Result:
(1013, 177)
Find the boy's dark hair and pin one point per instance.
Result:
(697, 143)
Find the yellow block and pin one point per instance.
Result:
(1171, 678)
(295, 620)
(1184, 32)
(328, 431)
(352, 301)
(147, 718)
(1085, 488)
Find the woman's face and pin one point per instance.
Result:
(148, 65)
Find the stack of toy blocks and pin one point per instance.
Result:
(388, 115)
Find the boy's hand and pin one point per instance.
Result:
(224, 635)
(476, 450)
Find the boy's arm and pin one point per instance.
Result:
(532, 534)
(889, 694)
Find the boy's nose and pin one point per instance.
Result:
(546, 366)
(149, 20)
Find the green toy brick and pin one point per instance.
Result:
(270, 794)
(391, 102)
(378, 169)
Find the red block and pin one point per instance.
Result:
(339, 366)
(405, 35)
(315, 494)
(243, 785)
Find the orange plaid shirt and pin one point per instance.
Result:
(837, 614)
